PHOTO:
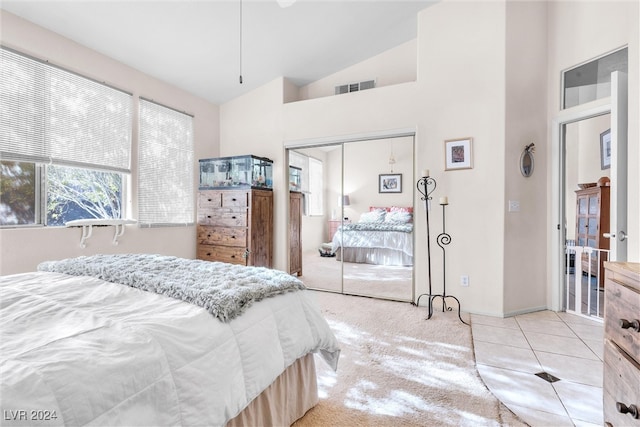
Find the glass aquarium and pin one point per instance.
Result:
(236, 172)
(295, 174)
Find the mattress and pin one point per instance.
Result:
(77, 350)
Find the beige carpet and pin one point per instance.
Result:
(398, 369)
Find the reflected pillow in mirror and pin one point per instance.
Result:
(373, 216)
(399, 216)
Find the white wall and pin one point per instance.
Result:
(361, 176)
(22, 249)
(461, 76)
(589, 163)
(524, 241)
(582, 164)
(575, 37)
(397, 65)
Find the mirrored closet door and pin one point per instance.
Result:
(361, 240)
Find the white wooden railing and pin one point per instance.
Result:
(584, 287)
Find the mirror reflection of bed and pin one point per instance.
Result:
(368, 243)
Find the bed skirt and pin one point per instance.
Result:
(377, 256)
(286, 400)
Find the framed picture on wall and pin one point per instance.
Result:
(605, 149)
(458, 154)
(390, 183)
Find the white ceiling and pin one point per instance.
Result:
(195, 44)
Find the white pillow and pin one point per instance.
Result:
(373, 216)
(398, 216)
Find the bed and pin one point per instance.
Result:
(143, 340)
(382, 236)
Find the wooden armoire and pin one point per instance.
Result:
(592, 221)
(236, 226)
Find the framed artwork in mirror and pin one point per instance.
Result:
(390, 183)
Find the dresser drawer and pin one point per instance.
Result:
(621, 385)
(622, 303)
(233, 199)
(229, 254)
(209, 200)
(227, 236)
(225, 218)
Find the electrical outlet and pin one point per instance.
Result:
(514, 206)
(464, 280)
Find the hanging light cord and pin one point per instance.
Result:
(240, 41)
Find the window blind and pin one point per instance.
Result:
(165, 166)
(50, 115)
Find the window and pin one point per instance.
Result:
(592, 80)
(165, 161)
(65, 143)
(18, 183)
(312, 182)
(74, 193)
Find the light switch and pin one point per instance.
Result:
(514, 206)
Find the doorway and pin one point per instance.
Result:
(590, 190)
(587, 211)
(352, 246)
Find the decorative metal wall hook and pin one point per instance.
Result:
(527, 161)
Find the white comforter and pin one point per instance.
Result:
(396, 240)
(92, 352)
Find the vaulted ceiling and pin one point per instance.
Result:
(204, 46)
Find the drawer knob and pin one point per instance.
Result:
(208, 200)
(234, 199)
(634, 324)
(631, 409)
(233, 217)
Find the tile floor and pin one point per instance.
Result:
(509, 352)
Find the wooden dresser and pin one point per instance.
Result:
(295, 233)
(621, 394)
(236, 226)
(592, 220)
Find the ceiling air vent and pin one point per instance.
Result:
(355, 87)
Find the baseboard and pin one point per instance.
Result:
(509, 314)
(526, 311)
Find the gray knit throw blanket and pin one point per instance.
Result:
(225, 290)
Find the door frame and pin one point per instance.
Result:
(557, 193)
